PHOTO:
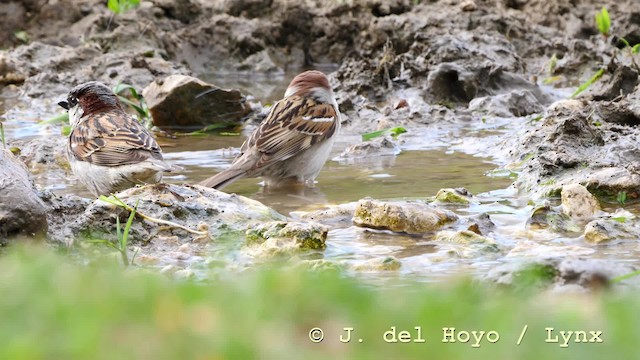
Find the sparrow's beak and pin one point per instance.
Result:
(64, 104)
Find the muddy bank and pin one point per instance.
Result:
(587, 141)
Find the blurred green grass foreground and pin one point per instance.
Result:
(54, 308)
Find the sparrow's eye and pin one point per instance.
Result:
(73, 101)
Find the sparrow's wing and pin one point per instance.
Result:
(113, 139)
(293, 125)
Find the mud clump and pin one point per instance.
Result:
(574, 144)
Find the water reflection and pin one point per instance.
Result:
(412, 174)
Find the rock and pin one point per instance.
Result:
(185, 11)
(400, 104)
(560, 271)
(380, 146)
(622, 82)
(335, 215)
(285, 238)
(543, 217)
(603, 230)
(625, 111)
(247, 8)
(184, 102)
(21, 210)
(451, 82)
(480, 223)
(9, 74)
(578, 202)
(532, 249)
(13, 16)
(454, 196)
(388, 263)
(184, 274)
(468, 5)
(515, 103)
(464, 237)
(592, 272)
(260, 62)
(61, 211)
(316, 265)
(169, 270)
(43, 154)
(144, 259)
(226, 215)
(408, 217)
(529, 273)
(466, 243)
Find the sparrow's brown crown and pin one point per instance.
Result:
(92, 96)
(308, 82)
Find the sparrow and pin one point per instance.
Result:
(108, 150)
(294, 141)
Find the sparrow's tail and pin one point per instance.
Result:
(220, 180)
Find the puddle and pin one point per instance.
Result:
(412, 174)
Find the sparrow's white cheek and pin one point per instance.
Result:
(75, 114)
(291, 91)
(323, 95)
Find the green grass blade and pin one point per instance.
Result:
(606, 19)
(603, 21)
(59, 119)
(118, 231)
(588, 83)
(373, 135)
(624, 41)
(4, 144)
(625, 277)
(114, 5)
(127, 227)
(122, 87)
(135, 106)
(109, 200)
(396, 131)
(393, 131)
(130, 4)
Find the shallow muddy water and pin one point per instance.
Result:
(411, 174)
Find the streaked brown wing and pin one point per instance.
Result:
(113, 139)
(293, 125)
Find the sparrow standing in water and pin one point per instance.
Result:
(294, 141)
(108, 150)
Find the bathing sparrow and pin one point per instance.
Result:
(294, 141)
